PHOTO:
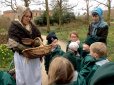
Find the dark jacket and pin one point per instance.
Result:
(100, 36)
(48, 58)
(18, 32)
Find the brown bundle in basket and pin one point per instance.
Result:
(37, 52)
(27, 41)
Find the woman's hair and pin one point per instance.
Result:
(75, 33)
(61, 71)
(27, 10)
(99, 48)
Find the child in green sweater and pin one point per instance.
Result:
(96, 58)
(73, 56)
(55, 51)
(73, 37)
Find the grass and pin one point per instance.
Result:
(63, 34)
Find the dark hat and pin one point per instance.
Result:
(51, 39)
(50, 34)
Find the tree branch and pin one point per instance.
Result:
(101, 3)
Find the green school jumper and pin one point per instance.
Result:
(90, 65)
(6, 79)
(75, 60)
(104, 75)
(48, 58)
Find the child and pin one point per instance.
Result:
(61, 72)
(97, 57)
(74, 38)
(73, 56)
(56, 50)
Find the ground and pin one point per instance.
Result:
(44, 75)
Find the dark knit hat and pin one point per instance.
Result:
(50, 34)
(51, 37)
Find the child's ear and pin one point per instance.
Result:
(96, 55)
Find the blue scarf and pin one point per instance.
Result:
(98, 25)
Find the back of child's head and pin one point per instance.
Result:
(99, 48)
(61, 71)
(73, 46)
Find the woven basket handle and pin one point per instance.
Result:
(41, 43)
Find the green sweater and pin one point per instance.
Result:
(48, 58)
(6, 79)
(104, 75)
(75, 60)
(90, 65)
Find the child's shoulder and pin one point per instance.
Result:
(89, 58)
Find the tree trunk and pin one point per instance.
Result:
(60, 13)
(87, 6)
(109, 12)
(47, 13)
(26, 3)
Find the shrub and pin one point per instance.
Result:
(6, 56)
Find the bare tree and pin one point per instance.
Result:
(27, 2)
(47, 13)
(10, 3)
(62, 5)
(108, 5)
(88, 6)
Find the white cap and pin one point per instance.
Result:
(74, 46)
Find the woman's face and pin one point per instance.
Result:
(95, 18)
(26, 18)
(73, 37)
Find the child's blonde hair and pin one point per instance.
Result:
(99, 48)
(61, 71)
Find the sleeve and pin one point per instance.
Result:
(103, 34)
(89, 30)
(13, 32)
(88, 64)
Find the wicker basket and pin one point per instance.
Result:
(37, 52)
